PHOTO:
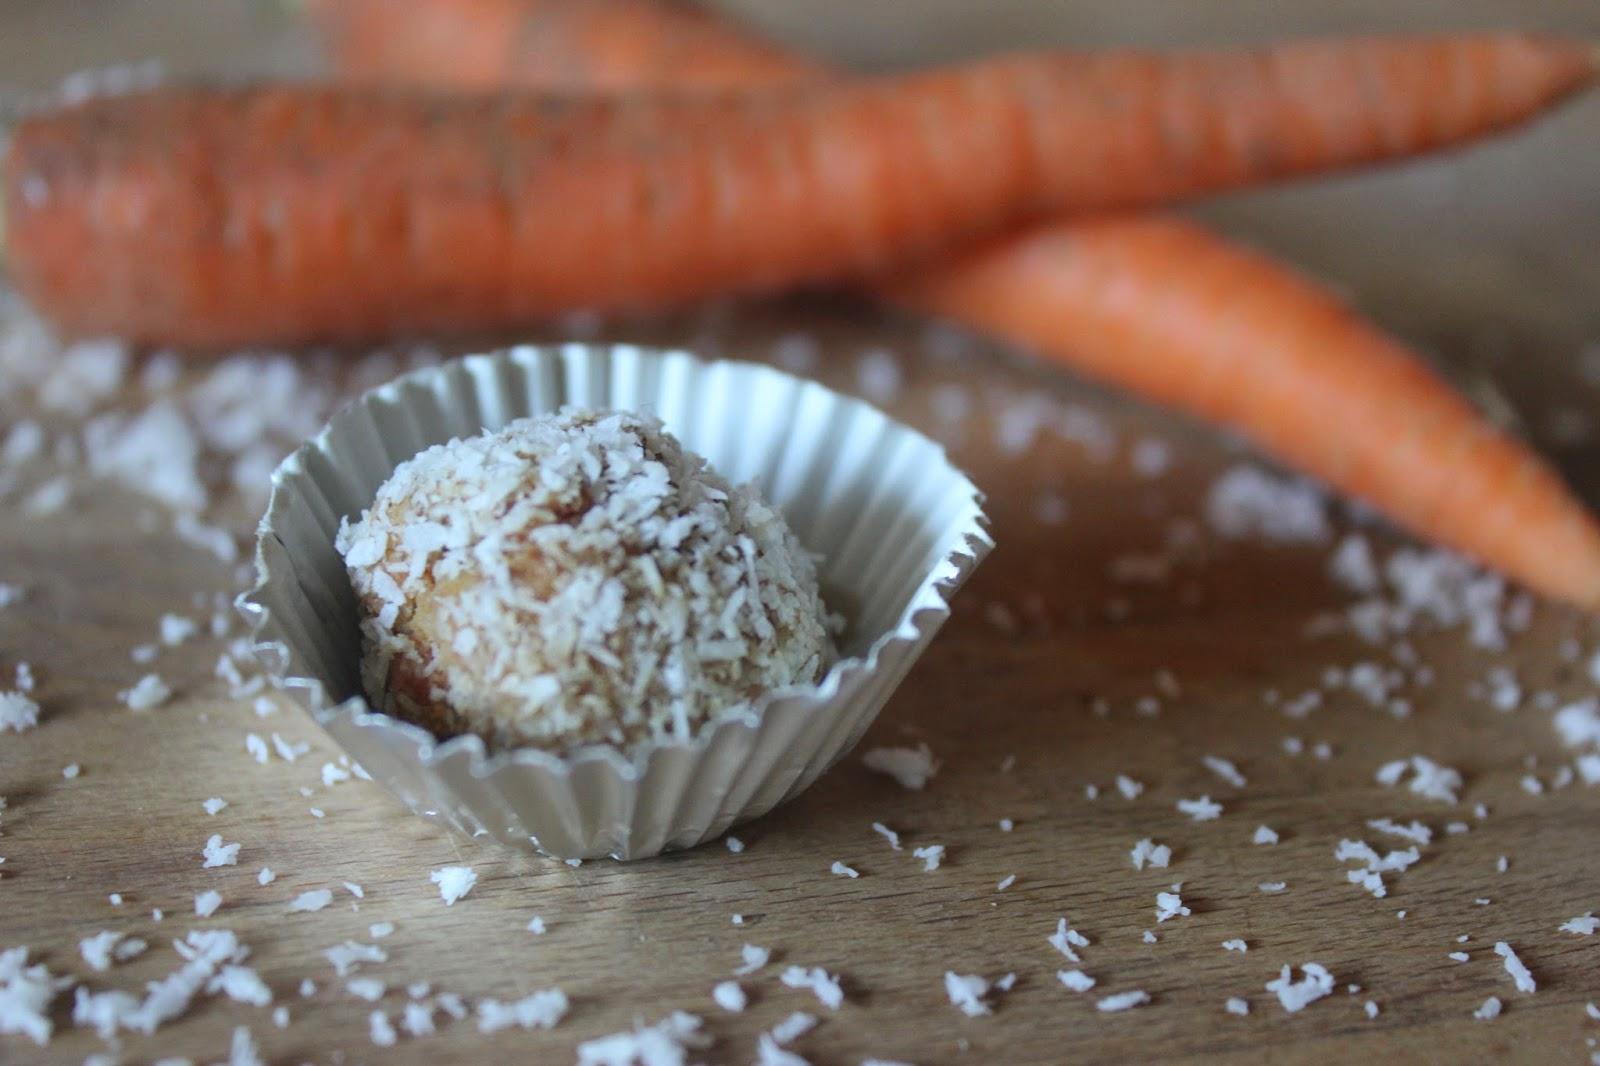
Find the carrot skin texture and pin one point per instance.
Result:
(1162, 308)
(293, 213)
(1190, 322)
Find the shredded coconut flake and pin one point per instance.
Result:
(823, 985)
(1204, 809)
(1122, 1001)
(1075, 980)
(729, 996)
(669, 1041)
(148, 693)
(1148, 853)
(1515, 967)
(967, 993)
(540, 1010)
(911, 768)
(216, 853)
(1315, 983)
(17, 712)
(314, 900)
(454, 882)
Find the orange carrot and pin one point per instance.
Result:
(1167, 311)
(286, 214)
(1187, 321)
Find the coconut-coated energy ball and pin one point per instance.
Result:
(577, 578)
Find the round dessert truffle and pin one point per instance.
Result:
(573, 579)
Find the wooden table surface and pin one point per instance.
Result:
(1489, 261)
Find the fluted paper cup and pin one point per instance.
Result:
(897, 527)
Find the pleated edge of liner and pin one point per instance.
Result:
(942, 581)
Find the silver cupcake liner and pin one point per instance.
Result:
(898, 529)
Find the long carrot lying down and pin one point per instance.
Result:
(1154, 305)
(293, 213)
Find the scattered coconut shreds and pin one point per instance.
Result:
(1514, 966)
(1429, 779)
(1170, 905)
(754, 958)
(931, 855)
(214, 805)
(839, 869)
(108, 946)
(372, 989)
(314, 900)
(911, 768)
(1225, 770)
(888, 834)
(17, 712)
(1237, 1006)
(1075, 980)
(1584, 925)
(1204, 809)
(1067, 940)
(1416, 832)
(1315, 983)
(1264, 835)
(967, 993)
(1490, 1009)
(668, 1041)
(1235, 945)
(266, 876)
(257, 748)
(147, 693)
(454, 882)
(1370, 1009)
(1459, 956)
(535, 926)
(1122, 1001)
(734, 844)
(379, 930)
(381, 1030)
(175, 629)
(71, 771)
(1148, 853)
(1578, 724)
(1006, 882)
(417, 1019)
(1248, 502)
(823, 985)
(540, 1010)
(1129, 788)
(207, 902)
(216, 853)
(348, 957)
(355, 890)
(730, 996)
(793, 1027)
(1592, 1010)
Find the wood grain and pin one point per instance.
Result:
(636, 941)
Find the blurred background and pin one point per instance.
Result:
(1478, 254)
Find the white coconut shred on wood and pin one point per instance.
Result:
(1315, 983)
(454, 882)
(18, 712)
(1519, 972)
(581, 578)
(911, 768)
